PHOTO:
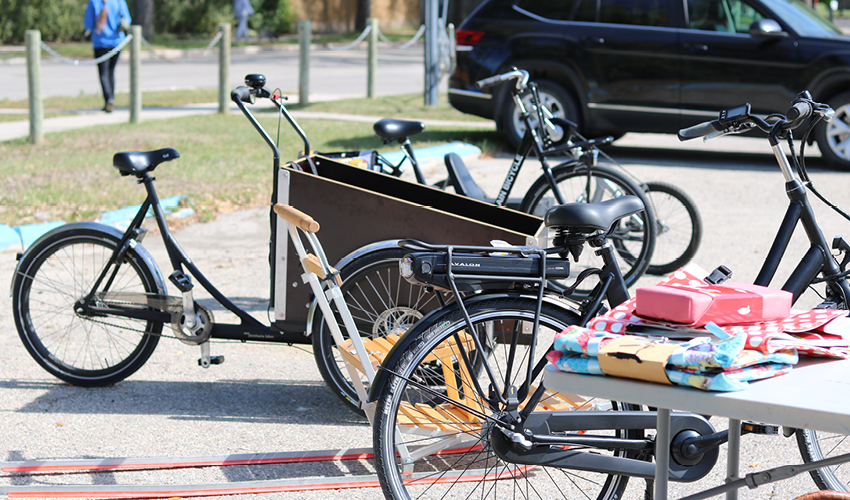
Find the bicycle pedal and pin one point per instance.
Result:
(214, 360)
(759, 428)
(181, 281)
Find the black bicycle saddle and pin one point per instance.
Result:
(137, 162)
(589, 217)
(392, 129)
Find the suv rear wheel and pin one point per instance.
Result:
(834, 136)
(553, 96)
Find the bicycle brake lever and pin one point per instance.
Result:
(734, 129)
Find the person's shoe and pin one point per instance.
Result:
(108, 107)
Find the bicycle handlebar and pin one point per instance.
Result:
(801, 110)
(520, 74)
(698, 130)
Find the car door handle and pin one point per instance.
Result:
(696, 47)
(592, 40)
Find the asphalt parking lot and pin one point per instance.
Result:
(270, 398)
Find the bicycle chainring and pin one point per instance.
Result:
(202, 330)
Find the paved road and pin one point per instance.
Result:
(333, 74)
(271, 398)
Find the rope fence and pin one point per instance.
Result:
(127, 40)
(87, 62)
(444, 42)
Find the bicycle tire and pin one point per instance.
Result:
(678, 230)
(432, 422)
(632, 238)
(816, 445)
(81, 350)
(381, 302)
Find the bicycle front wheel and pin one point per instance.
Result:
(816, 445)
(433, 426)
(381, 302)
(84, 350)
(632, 237)
(678, 227)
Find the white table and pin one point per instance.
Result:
(812, 396)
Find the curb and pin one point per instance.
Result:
(21, 237)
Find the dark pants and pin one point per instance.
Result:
(106, 70)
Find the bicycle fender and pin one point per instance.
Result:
(423, 326)
(340, 265)
(113, 232)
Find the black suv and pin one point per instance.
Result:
(617, 66)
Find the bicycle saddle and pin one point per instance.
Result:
(391, 129)
(589, 217)
(137, 162)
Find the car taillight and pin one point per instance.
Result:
(466, 39)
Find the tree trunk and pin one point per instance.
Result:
(143, 16)
(364, 12)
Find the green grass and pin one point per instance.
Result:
(224, 163)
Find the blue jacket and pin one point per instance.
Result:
(110, 36)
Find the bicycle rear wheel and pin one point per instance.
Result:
(432, 431)
(632, 237)
(816, 445)
(679, 227)
(83, 350)
(381, 302)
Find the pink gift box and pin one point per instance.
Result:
(726, 304)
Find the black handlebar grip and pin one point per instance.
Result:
(241, 93)
(800, 110)
(698, 130)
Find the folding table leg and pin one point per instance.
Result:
(733, 456)
(662, 453)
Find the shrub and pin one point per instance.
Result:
(62, 20)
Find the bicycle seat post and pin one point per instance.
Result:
(407, 148)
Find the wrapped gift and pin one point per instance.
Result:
(726, 304)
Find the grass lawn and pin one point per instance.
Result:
(224, 163)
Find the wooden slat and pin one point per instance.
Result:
(416, 417)
(437, 418)
(465, 421)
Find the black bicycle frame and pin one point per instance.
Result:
(248, 329)
(818, 259)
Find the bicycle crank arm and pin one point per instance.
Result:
(548, 446)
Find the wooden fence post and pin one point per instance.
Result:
(136, 74)
(224, 69)
(33, 41)
(371, 80)
(305, 36)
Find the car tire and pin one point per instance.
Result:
(553, 96)
(833, 137)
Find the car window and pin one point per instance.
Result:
(641, 12)
(561, 10)
(803, 20)
(730, 16)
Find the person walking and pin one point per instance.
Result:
(241, 10)
(103, 19)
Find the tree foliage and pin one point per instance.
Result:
(62, 20)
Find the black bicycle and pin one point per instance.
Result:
(678, 225)
(461, 408)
